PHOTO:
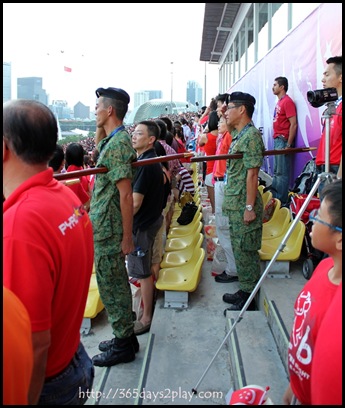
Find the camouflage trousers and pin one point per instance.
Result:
(115, 291)
(246, 241)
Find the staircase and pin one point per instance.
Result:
(186, 348)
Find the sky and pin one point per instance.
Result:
(125, 45)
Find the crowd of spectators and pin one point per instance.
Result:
(89, 142)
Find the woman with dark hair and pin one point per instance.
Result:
(75, 161)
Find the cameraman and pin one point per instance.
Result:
(332, 78)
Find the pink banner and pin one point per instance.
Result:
(300, 57)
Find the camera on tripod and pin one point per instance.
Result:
(319, 97)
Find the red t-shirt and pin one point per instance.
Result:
(210, 148)
(284, 109)
(310, 307)
(80, 189)
(219, 168)
(335, 139)
(48, 259)
(327, 369)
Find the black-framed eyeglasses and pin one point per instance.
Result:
(232, 107)
(313, 218)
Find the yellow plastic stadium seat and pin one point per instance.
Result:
(183, 230)
(261, 188)
(183, 256)
(174, 218)
(184, 278)
(176, 244)
(94, 304)
(266, 196)
(277, 225)
(292, 249)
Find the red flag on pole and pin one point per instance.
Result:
(67, 69)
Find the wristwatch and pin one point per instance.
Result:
(249, 207)
(288, 145)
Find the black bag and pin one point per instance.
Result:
(187, 213)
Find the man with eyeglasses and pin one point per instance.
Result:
(242, 199)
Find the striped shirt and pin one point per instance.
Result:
(185, 183)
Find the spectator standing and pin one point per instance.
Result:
(159, 242)
(148, 197)
(57, 162)
(242, 199)
(184, 182)
(187, 133)
(75, 162)
(45, 226)
(284, 133)
(18, 357)
(208, 140)
(111, 214)
(173, 169)
(170, 139)
(332, 78)
(312, 306)
(222, 221)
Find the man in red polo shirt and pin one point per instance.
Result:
(48, 254)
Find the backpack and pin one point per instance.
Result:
(305, 181)
(187, 213)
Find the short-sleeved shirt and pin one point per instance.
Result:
(219, 168)
(173, 164)
(310, 308)
(186, 182)
(149, 182)
(250, 144)
(117, 155)
(335, 139)
(284, 109)
(80, 189)
(48, 259)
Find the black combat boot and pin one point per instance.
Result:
(106, 344)
(236, 297)
(121, 351)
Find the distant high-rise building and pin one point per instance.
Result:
(6, 83)
(31, 88)
(144, 96)
(194, 93)
(81, 111)
(61, 110)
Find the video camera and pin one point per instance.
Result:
(319, 97)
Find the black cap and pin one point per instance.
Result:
(241, 97)
(113, 93)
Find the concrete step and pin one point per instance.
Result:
(184, 350)
(254, 356)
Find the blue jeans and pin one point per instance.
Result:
(73, 385)
(281, 172)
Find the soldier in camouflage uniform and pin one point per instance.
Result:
(242, 200)
(111, 213)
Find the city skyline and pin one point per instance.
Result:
(73, 62)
